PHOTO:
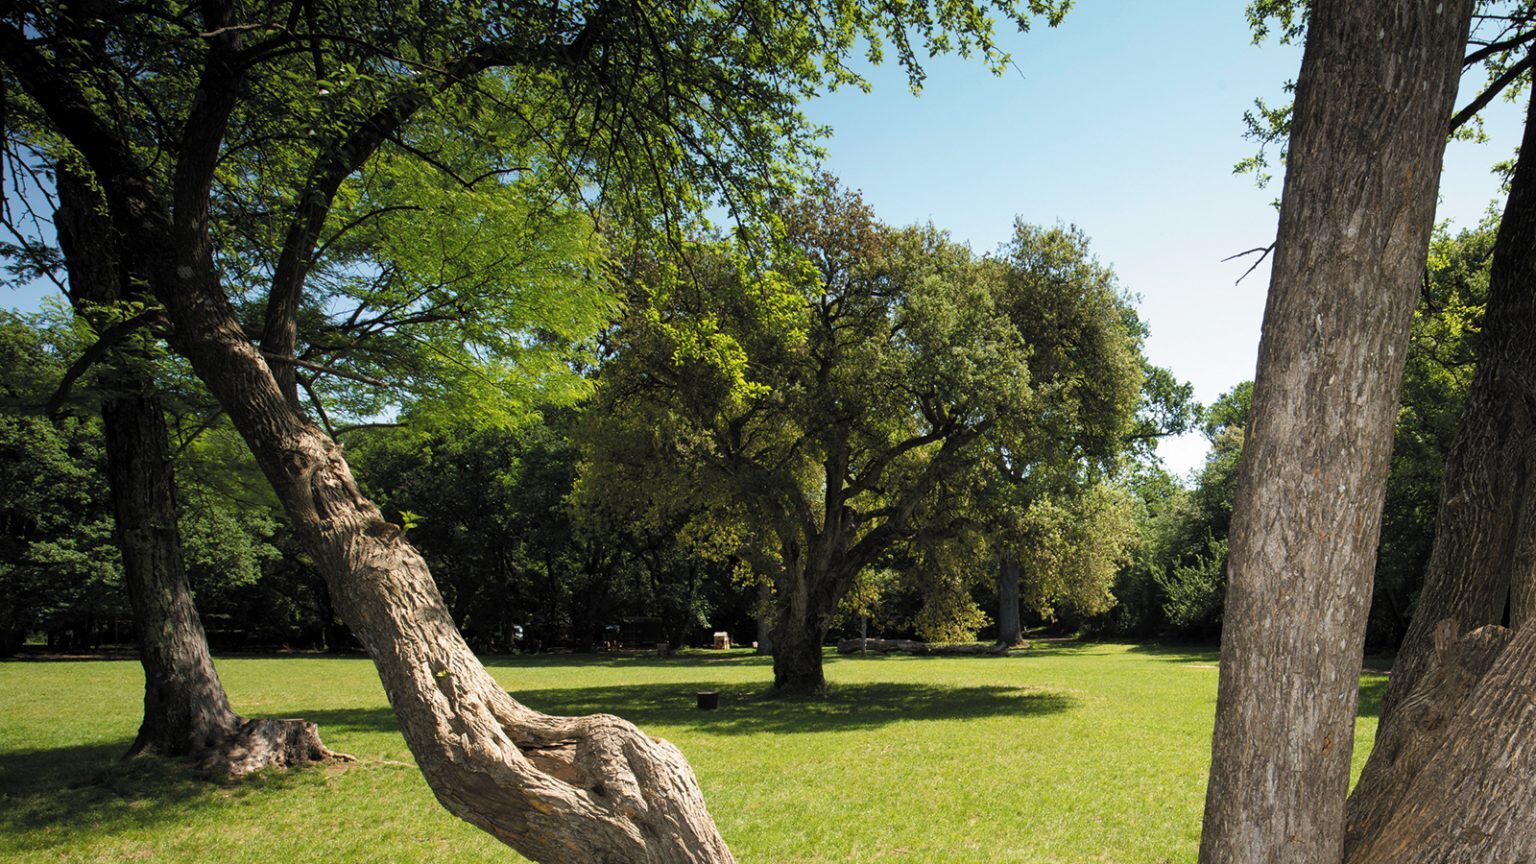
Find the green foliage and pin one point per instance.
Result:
(1194, 593)
(1177, 582)
(856, 387)
(58, 566)
(1439, 369)
(1070, 549)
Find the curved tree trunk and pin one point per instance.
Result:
(1484, 557)
(556, 789)
(186, 711)
(1010, 630)
(1376, 87)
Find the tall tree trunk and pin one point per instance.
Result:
(1452, 776)
(1010, 631)
(1376, 86)
(186, 711)
(1484, 557)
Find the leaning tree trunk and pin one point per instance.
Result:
(1484, 557)
(186, 711)
(557, 789)
(1375, 89)
(1455, 747)
(1010, 630)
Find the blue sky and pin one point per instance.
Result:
(1126, 121)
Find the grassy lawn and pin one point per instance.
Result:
(1067, 753)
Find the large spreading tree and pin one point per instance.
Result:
(661, 109)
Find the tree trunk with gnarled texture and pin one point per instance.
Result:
(557, 789)
(1376, 87)
(1425, 723)
(1484, 558)
(186, 711)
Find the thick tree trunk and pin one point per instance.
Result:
(805, 597)
(1010, 631)
(797, 654)
(1425, 723)
(1375, 89)
(1463, 778)
(1484, 557)
(557, 789)
(186, 711)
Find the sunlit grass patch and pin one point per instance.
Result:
(1066, 752)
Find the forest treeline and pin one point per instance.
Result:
(614, 514)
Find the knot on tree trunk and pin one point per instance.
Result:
(592, 789)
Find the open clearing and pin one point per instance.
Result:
(1066, 753)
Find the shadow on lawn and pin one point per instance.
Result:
(747, 710)
(60, 796)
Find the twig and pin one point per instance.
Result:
(1261, 251)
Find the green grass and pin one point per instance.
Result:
(1069, 753)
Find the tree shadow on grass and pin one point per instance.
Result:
(700, 658)
(747, 710)
(64, 795)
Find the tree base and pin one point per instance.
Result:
(252, 745)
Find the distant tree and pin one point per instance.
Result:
(1090, 378)
(832, 417)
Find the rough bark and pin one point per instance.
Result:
(186, 710)
(1473, 800)
(1484, 557)
(1376, 85)
(1424, 724)
(1010, 630)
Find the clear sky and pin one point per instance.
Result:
(1126, 121)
